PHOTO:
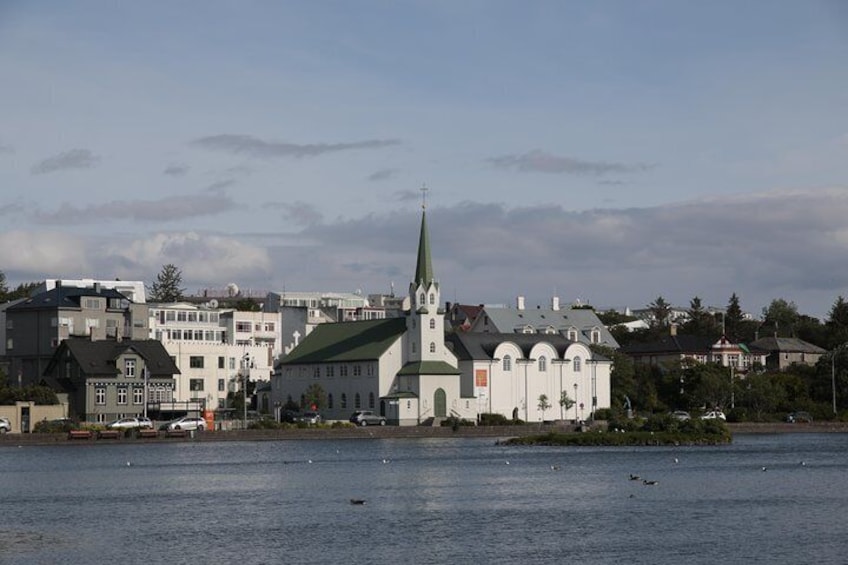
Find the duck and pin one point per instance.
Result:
(649, 483)
(634, 477)
(357, 501)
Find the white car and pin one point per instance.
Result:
(5, 425)
(189, 423)
(129, 423)
(714, 415)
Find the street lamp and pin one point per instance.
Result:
(575, 403)
(245, 370)
(594, 363)
(561, 362)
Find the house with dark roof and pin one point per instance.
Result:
(109, 379)
(37, 325)
(574, 323)
(783, 352)
(702, 349)
(398, 367)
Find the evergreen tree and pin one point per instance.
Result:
(700, 321)
(167, 285)
(4, 289)
(660, 311)
(782, 316)
(733, 319)
(837, 324)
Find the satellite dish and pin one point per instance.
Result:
(213, 303)
(232, 289)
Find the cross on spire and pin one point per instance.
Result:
(424, 191)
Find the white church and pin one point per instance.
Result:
(405, 369)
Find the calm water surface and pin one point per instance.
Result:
(427, 501)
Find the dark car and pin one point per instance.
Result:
(799, 417)
(367, 418)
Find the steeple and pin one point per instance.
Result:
(424, 268)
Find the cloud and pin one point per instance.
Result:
(176, 170)
(611, 182)
(6, 149)
(383, 174)
(298, 213)
(172, 208)
(73, 159)
(249, 145)
(48, 254)
(537, 161)
(406, 195)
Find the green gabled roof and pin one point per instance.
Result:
(428, 368)
(347, 341)
(401, 394)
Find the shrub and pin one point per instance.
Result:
(494, 420)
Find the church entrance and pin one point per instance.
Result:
(440, 404)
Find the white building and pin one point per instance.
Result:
(216, 350)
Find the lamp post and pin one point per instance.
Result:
(594, 363)
(245, 370)
(144, 374)
(561, 362)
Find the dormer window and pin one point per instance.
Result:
(596, 335)
(572, 334)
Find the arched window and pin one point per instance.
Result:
(432, 298)
(596, 335)
(432, 347)
(357, 402)
(432, 323)
(344, 400)
(330, 401)
(370, 400)
(413, 347)
(507, 363)
(577, 364)
(421, 299)
(543, 364)
(572, 334)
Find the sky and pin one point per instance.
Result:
(609, 152)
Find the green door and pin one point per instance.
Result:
(440, 404)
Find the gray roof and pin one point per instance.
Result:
(97, 358)
(509, 320)
(64, 297)
(469, 346)
(787, 345)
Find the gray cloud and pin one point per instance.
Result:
(406, 195)
(297, 213)
(249, 145)
(538, 161)
(6, 148)
(611, 182)
(383, 174)
(168, 209)
(176, 170)
(73, 159)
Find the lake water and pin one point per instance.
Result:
(426, 501)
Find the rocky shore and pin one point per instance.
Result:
(391, 432)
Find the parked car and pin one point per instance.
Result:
(799, 417)
(680, 415)
(310, 418)
(289, 416)
(367, 418)
(189, 423)
(714, 415)
(126, 424)
(5, 425)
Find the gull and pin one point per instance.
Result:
(554, 467)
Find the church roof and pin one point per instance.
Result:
(508, 320)
(481, 346)
(424, 268)
(428, 368)
(347, 341)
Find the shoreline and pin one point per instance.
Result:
(388, 432)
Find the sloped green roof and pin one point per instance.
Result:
(347, 341)
(424, 266)
(428, 368)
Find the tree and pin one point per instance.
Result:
(167, 285)
(700, 321)
(4, 289)
(660, 312)
(565, 401)
(543, 404)
(837, 324)
(781, 315)
(314, 398)
(733, 319)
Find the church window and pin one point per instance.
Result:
(432, 347)
(370, 400)
(577, 364)
(543, 364)
(432, 298)
(357, 401)
(330, 401)
(344, 400)
(507, 363)
(432, 323)
(421, 299)
(413, 347)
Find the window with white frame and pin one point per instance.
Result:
(432, 347)
(357, 401)
(122, 395)
(100, 395)
(507, 363)
(129, 368)
(432, 298)
(576, 365)
(543, 364)
(596, 335)
(432, 323)
(138, 395)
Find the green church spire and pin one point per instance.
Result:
(424, 268)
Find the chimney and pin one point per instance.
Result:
(555, 303)
(672, 328)
(97, 287)
(519, 303)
